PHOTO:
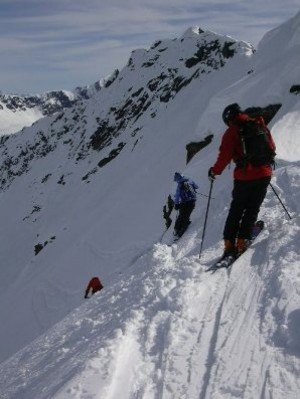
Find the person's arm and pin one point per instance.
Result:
(273, 145)
(177, 198)
(87, 290)
(195, 185)
(226, 152)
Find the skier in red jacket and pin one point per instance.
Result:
(250, 182)
(94, 286)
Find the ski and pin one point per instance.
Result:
(227, 261)
(224, 262)
(174, 239)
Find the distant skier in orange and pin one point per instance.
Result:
(94, 286)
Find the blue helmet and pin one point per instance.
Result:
(178, 176)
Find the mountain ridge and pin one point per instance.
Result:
(91, 204)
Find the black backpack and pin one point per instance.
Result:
(256, 145)
(188, 193)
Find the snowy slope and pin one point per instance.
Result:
(167, 329)
(162, 327)
(91, 217)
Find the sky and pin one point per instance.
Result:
(61, 44)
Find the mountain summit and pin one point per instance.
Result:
(82, 196)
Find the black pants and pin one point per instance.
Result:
(183, 219)
(247, 197)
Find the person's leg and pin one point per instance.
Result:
(188, 209)
(183, 219)
(178, 221)
(237, 207)
(256, 195)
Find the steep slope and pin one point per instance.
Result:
(162, 327)
(82, 191)
(167, 329)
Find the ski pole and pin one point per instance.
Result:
(204, 195)
(280, 201)
(206, 215)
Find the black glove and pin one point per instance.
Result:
(211, 174)
(176, 207)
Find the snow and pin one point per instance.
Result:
(168, 329)
(286, 36)
(162, 327)
(12, 122)
(288, 147)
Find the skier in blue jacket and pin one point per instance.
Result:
(184, 201)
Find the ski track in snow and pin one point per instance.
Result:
(181, 310)
(169, 330)
(181, 335)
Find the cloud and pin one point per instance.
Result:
(74, 38)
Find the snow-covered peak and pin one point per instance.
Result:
(193, 31)
(207, 36)
(197, 51)
(93, 180)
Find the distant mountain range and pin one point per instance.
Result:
(18, 111)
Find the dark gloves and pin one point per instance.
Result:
(170, 203)
(211, 175)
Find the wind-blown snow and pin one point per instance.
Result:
(162, 327)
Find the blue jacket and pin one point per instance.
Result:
(182, 196)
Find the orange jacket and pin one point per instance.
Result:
(95, 285)
(231, 150)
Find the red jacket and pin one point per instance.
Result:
(231, 150)
(95, 285)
